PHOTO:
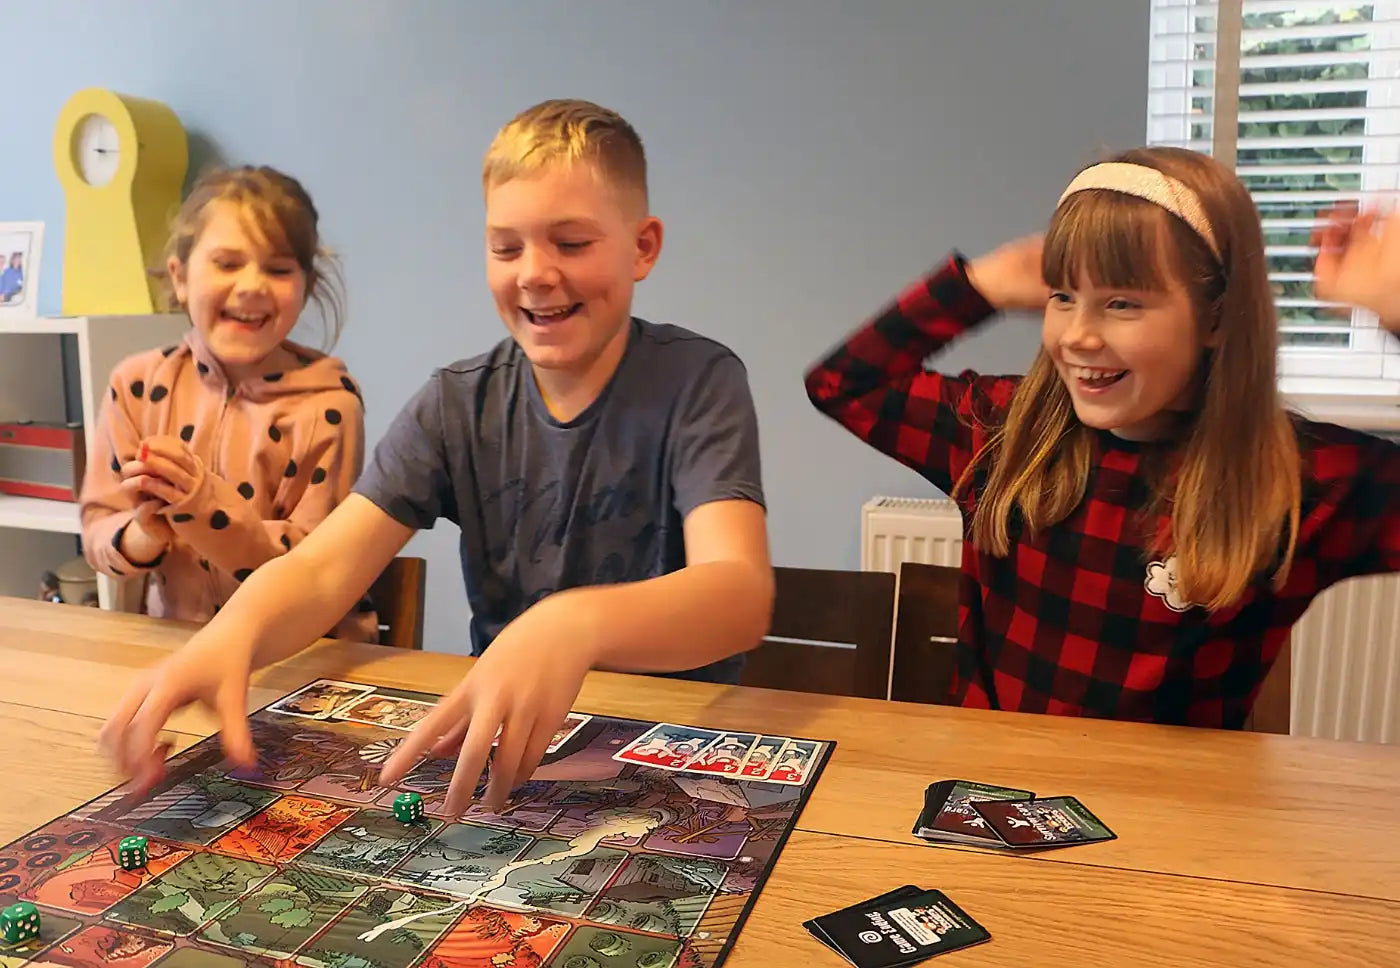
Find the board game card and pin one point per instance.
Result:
(386, 711)
(901, 931)
(320, 698)
(1051, 822)
(815, 930)
(948, 816)
(794, 763)
(762, 758)
(725, 756)
(667, 746)
(572, 724)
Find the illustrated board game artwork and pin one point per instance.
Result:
(634, 844)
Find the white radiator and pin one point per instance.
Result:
(1346, 649)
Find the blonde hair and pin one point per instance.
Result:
(278, 208)
(567, 132)
(1233, 489)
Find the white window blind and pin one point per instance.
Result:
(1303, 98)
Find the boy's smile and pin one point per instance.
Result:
(564, 249)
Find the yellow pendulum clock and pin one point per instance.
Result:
(121, 161)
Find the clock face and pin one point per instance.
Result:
(95, 150)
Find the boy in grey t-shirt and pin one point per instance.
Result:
(603, 470)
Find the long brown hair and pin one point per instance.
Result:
(280, 209)
(1233, 488)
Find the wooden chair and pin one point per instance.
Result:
(1273, 707)
(398, 595)
(925, 633)
(830, 634)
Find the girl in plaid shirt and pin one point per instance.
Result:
(1145, 520)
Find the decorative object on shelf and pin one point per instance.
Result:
(21, 250)
(44, 460)
(121, 161)
(71, 583)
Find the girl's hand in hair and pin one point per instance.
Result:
(1358, 262)
(1009, 276)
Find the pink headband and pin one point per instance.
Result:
(1150, 184)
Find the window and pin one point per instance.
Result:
(1304, 101)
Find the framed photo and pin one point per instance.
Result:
(21, 248)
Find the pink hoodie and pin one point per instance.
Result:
(276, 454)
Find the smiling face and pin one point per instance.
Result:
(1128, 356)
(564, 249)
(243, 293)
(1122, 327)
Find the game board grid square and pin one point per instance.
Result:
(284, 913)
(182, 892)
(93, 882)
(28, 859)
(56, 927)
(388, 926)
(109, 945)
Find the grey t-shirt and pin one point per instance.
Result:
(544, 505)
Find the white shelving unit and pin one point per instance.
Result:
(35, 534)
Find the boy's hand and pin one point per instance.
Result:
(1358, 262)
(163, 469)
(525, 683)
(206, 672)
(1009, 276)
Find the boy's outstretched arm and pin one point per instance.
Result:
(282, 608)
(718, 605)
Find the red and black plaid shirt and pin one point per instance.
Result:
(1082, 620)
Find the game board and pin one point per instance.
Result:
(634, 844)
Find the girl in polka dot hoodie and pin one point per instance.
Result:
(223, 451)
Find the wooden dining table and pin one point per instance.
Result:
(1239, 849)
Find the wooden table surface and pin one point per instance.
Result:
(1233, 848)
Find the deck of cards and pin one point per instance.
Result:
(896, 929)
(710, 752)
(982, 815)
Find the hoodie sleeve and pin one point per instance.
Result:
(105, 509)
(221, 519)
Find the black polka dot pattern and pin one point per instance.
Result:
(158, 393)
(116, 466)
(303, 359)
(286, 542)
(203, 369)
(245, 490)
(364, 606)
(318, 475)
(349, 384)
(182, 518)
(277, 512)
(332, 416)
(291, 470)
(138, 389)
(274, 433)
(167, 351)
(218, 520)
(114, 392)
(242, 574)
(187, 433)
(272, 377)
(204, 564)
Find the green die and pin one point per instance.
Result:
(19, 922)
(131, 852)
(408, 808)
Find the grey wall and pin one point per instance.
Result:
(808, 156)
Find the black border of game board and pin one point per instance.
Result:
(739, 921)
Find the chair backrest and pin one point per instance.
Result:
(398, 595)
(830, 634)
(1273, 707)
(925, 633)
